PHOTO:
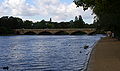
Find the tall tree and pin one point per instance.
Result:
(107, 13)
(76, 18)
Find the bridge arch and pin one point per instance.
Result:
(30, 33)
(61, 33)
(55, 31)
(45, 33)
(78, 33)
(17, 32)
(92, 33)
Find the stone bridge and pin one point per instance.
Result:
(55, 31)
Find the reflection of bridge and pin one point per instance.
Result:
(55, 31)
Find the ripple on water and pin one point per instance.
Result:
(45, 53)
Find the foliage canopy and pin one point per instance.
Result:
(107, 13)
(7, 24)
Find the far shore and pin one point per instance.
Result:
(105, 55)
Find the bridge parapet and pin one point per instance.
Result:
(53, 31)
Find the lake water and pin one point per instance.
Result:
(45, 53)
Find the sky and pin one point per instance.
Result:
(37, 10)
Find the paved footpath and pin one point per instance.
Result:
(105, 56)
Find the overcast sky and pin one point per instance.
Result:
(36, 10)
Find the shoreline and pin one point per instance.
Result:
(90, 54)
(105, 55)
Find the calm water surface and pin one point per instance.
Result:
(45, 53)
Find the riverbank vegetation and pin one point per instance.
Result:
(107, 14)
(7, 24)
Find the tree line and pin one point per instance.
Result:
(107, 14)
(8, 24)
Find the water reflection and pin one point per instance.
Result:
(44, 53)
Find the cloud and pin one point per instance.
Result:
(17, 8)
(55, 9)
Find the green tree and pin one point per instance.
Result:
(27, 24)
(79, 23)
(107, 13)
(14, 22)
